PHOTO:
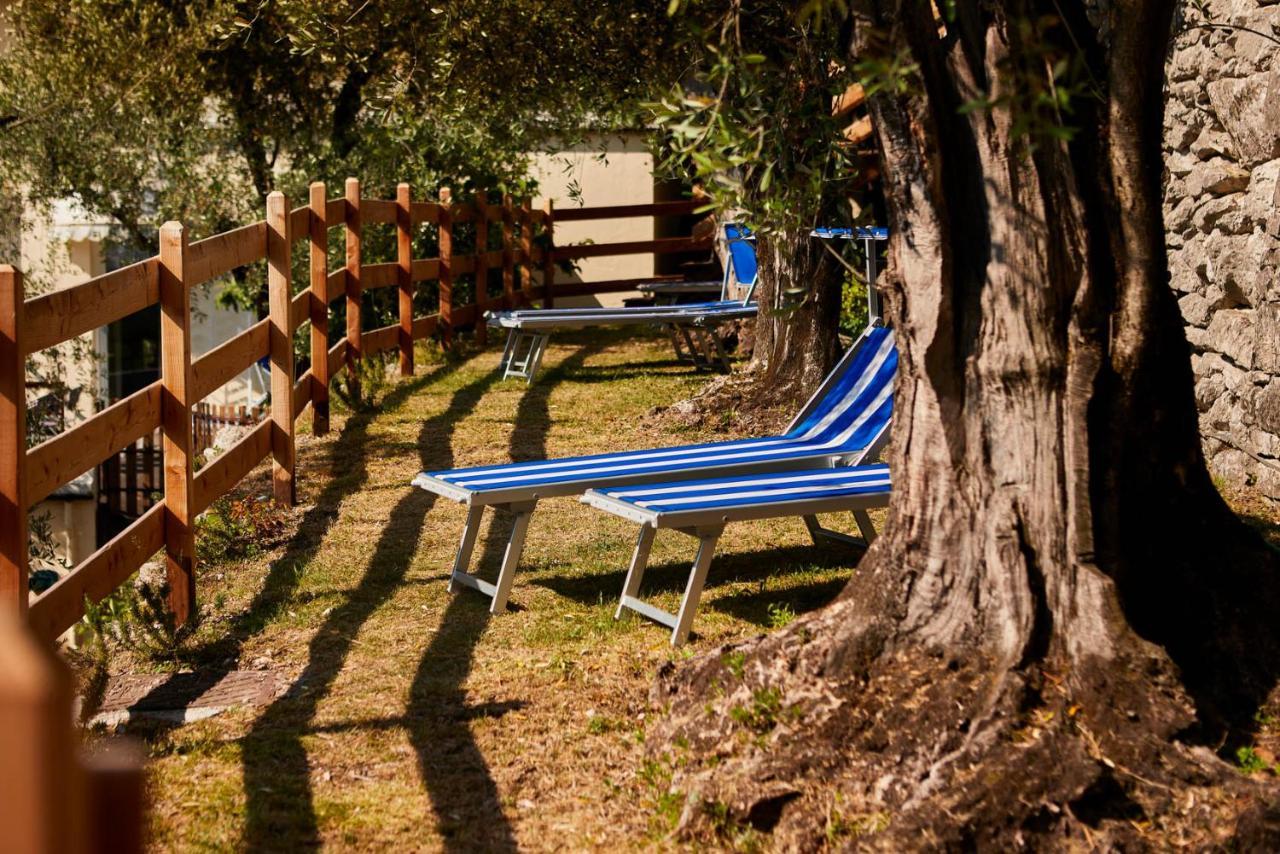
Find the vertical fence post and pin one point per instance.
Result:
(319, 257)
(355, 291)
(42, 799)
(13, 445)
(279, 296)
(404, 275)
(508, 261)
(445, 281)
(482, 265)
(526, 250)
(175, 419)
(548, 256)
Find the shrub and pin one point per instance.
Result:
(238, 528)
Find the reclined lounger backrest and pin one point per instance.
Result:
(853, 407)
(742, 260)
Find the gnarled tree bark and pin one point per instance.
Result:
(1062, 613)
(796, 340)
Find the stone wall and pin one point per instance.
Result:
(1222, 212)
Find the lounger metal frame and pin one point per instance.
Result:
(700, 336)
(706, 526)
(521, 502)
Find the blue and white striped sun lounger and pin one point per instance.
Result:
(693, 327)
(701, 509)
(845, 422)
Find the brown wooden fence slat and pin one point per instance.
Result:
(526, 250)
(220, 476)
(335, 213)
(59, 607)
(378, 211)
(404, 275)
(677, 208)
(425, 327)
(13, 445)
(222, 253)
(549, 256)
(382, 275)
(426, 269)
(301, 394)
(354, 287)
(424, 212)
(42, 792)
(481, 262)
(337, 357)
(224, 363)
(318, 258)
(175, 417)
(508, 256)
(279, 297)
(336, 285)
(300, 223)
(444, 279)
(70, 454)
(381, 339)
(68, 313)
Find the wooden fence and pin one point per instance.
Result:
(26, 327)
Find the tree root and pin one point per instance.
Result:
(819, 742)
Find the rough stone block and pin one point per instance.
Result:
(1219, 178)
(1231, 332)
(1249, 110)
(1195, 309)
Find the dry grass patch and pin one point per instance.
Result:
(413, 720)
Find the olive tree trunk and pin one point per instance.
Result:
(1061, 602)
(796, 335)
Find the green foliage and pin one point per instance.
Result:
(762, 714)
(734, 662)
(148, 111)
(752, 118)
(238, 528)
(360, 389)
(1250, 762)
(781, 615)
(1040, 83)
(137, 617)
(42, 550)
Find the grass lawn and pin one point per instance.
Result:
(413, 719)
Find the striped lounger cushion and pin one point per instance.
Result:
(726, 499)
(852, 414)
(701, 508)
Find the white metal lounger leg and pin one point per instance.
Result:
(707, 539)
(721, 356)
(675, 344)
(513, 365)
(695, 353)
(635, 573)
(535, 355)
(508, 352)
(463, 560)
(511, 558)
(865, 525)
(819, 533)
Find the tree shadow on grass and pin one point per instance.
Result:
(454, 772)
(760, 566)
(280, 813)
(348, 472)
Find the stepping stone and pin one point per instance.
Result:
(185, 697)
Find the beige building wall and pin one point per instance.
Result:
(607, 170)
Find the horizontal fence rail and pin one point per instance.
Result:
(513, 243)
